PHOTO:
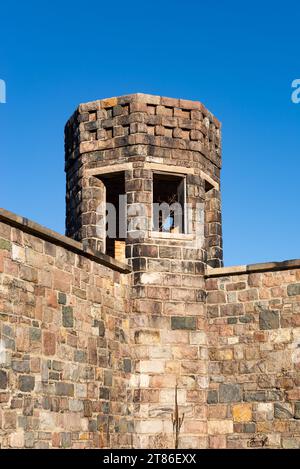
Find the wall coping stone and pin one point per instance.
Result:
(252, 268)
(46, 234)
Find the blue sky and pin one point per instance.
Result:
(238, 58)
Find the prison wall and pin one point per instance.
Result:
(65, 359)
(254, 356)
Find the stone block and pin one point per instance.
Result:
(127, 365)
(216, 297)
(212, 396)
(3, 379)
(5, 244)
(220, 427)
(242, 412)
(151, 366)
(297, 410)
(67, 316)
(283, 411)
(26, 383)
(64, 389)
(62, 298)
(268, 319)
(183, 322)
(230, 393)
(198, 338)
(49, 343)
(147, 337)
(293, 289)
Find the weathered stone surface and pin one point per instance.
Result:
(212, 397)
(220, 427)
(242, 412)
(297, 410)
(64, 389)
(230, 393)
(185, 322)
(3, 379)
(283, 411)
(293, 289)
(268, 319)
(26, 383)
(67, 316)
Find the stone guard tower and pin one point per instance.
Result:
(154, 149)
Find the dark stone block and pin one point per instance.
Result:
(21, 366)
(268, 319)
(230, 393)
(67, 316)
(183, 322)
(246, 319)
(35, 334)
(108, 377)
(3, 379)
(66, 440)
(104, 393)
(26, 383)
(231, 320)
(101, 326)
(127, 365)
(64, 389)
(293, 289)
(80, 356)
(297, 410)
(255, 396)
(249, 427)
(212, 397)
(62, 298)
(92, 426)
(283, 411)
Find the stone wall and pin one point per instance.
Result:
(140, 135)
(65, 361)
(254, 356)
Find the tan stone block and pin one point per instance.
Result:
(167, 396)
(280, 336)
(52, 299)
(198, 338)
(192, 442)
(49, 343)
(62, 281)
(109, 102)
(217, 411)
(242, 412)
(172, 366)
(195, 426)
(225, 354)
(146, 337)
(217, 442)
(151, 366)
(216, 297)
(17, 439)
(184, 352)
(174, 337)
(18, 253)
(149, 426)
(22, 339)
(163, 381)
(220, 427)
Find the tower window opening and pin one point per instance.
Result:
(115, 223)
(169, 203)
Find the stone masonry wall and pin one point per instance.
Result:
(65, 361)
(139, 135)
(254, 358)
